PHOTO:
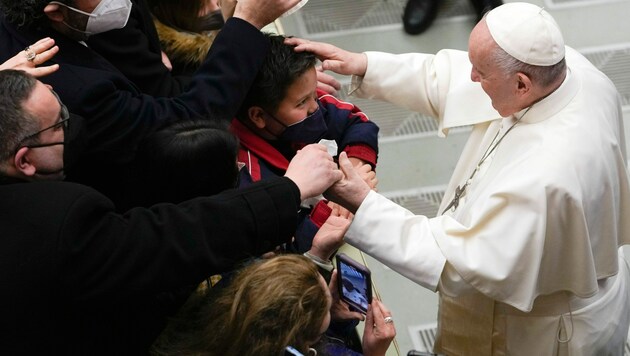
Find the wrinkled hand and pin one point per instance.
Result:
(377, 334)
(333, 58)
(313, 171)
(43, 49)
(327, 82)
(260, 13)
(365, 171)
(350, 191)
(329, 237)
(340, 310)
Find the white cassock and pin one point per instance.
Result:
(529, 262)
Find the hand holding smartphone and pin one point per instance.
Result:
(355, 283)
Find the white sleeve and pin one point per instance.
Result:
(437, 85)
(397, 238)
(404, 242)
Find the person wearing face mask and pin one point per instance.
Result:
(136, 51)
(80, 279)
(118, 115)
(107, 15)
(71, 127)
(284, 111)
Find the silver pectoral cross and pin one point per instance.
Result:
(455, 202)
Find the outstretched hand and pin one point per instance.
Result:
(35, 54)
(329, 237)
(350, 191)
(260, 13)
(313, 170)
(333, 58)
(365, 172)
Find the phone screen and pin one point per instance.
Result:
(355, 284)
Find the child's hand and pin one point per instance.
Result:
(329, 237)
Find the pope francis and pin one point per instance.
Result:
(525, 249)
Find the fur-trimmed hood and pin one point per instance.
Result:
(185, 47)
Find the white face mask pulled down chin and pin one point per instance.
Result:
(108, 15)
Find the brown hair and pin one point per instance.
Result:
(183, 15)
(271, 304)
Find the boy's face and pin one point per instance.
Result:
(299, 102)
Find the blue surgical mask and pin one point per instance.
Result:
(309, 130)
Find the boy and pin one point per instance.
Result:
(283, 112)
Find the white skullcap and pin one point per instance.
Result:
(526, 32)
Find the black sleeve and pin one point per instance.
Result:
(169, 246)
(135, 51)
(118, 117)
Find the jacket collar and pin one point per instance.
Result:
(259, 146)
(556, 101)
(5, 180)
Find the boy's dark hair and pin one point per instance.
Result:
(281, 68)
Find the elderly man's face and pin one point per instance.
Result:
(501, 88)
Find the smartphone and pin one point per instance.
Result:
(354, 282)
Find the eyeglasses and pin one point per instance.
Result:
(64, 122)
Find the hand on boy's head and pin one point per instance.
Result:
(333, 58)
(378, 334)
(350, 191)
(327, 82)
(313, 170)
(340, 310)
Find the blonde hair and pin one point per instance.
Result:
(269, 305)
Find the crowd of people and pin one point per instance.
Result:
(127, 180)
(138, 171)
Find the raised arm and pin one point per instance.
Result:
(333, 58)
(262, 12)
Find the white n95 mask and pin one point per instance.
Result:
(108, 15)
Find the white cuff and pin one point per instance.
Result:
(327, 265)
